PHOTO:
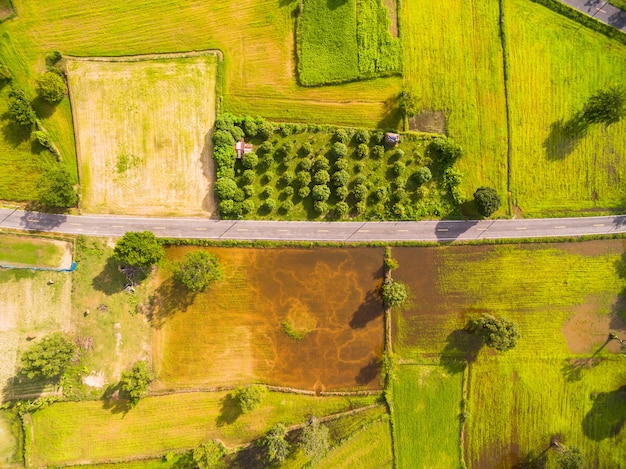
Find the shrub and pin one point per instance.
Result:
(341, 178)
(497, 332)
(250, 127)
(321, 192)
(321, 163)
(341, 136)
(135, 383)
(341, 192)
(197, 270)
(360, 207)
(305, 165)
(446, 150)
(306, 149)
(209, 455)
(360, 192)
(399, 183)
(51, 87)
(289, 190)
(53, 57)
(276, 444)
(225, 188)
(249, 398)
(247, 206)
(321, 177)
(284, 151)
(362, 151)
(49, 357)
(398, 168)
(380, 194)
(268, 177)
(44, 140)
(228, 208)
(56, 188)
(377, 151)
(314, 440)
(286, 206)
(249, 160)
(248, 190)
(422, 175)
(486, 200)
(409, 104)
(304, 191)
(267, 161)
(288, 177)
(393, 293)
(248, 176)
(268, 205)
(359, 167)
(377, 137)
(359, 179)
(265, 130)
(362, 136)
(266, 192)
(339, 150)
(342, 209)
(399, 154)
(303, 178)
(20, 110)
(265, 148)
(341, 165)
(320, 207)
(138, 249)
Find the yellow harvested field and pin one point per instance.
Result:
(143, 134)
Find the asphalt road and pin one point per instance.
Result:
(114, 225)
(601, 10)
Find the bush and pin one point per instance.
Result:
(393, 293)
(321, 192)
(362, 151)
(248, 176)
(341, 164)
(135, 383)
(339, 150)
(341, 192)
(268, 205)
(362, 136)
(314, 440)
(44, 140)
(286, 206)
(266, 192)
(341, 136)
(377, 137)
(249, 160)
(247, 206)
(486, 200)
(277, 445)
(267, 161)
(284, 151)
(304, 191)
(20, 110)
(320, 207)
(288, 177)
(340, 178)
(306, 149)
(446, 150)
(209, 455)
(321, 163)
(398, 168)
(342, 209)
(51, 87)
(248, 190)
(378, 151)
(197, 270)
(321, 177)
(359, 179)
(380, 194)
(248, 398)
(289, 190)
(223, 138)
(53, 57)
(305, 165)
(268, 177)
(225, 188)
(497, 332)
(360, 192)
(265, 148)
(227, 208)
(250, 127)
(138, 248)
(49, 357)
(265, 130)
(56, 188)
(360, 207)
(303, 178)
(422, 175)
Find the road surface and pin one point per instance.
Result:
(117, 225)
(601, 10)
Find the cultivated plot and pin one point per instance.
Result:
(242, 328)
(22, 251)
(143, 134)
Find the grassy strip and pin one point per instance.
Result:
(22, 251)
(426, 416)
(71, 431)
(586, 20)
(619, 4)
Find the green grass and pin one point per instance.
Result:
(619, 4)
(538, 286)
(453, 63)
(517, 406)
(555, 58)
(16, 250)
(9, 435)
(72, 431)
(345, 40)
(426, 409)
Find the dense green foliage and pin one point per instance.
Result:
(51, 87)
(607, 106)
(571, 458)
(56, 189)
(393, 293)
(197, 270)
(139, 249)
(20, 109)
(497, 332)
(49, 357)
(446, 150)
(209, 455)
(314, 439)
(345, 40)
(249, 397)
(276, 444)
(135, 383)
(487, 201)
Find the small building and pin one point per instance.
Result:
(392, 139)
(242, 148)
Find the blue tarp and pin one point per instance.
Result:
(71, 269)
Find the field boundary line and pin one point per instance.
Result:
(144, 57)
(507, 98)
(286, 390)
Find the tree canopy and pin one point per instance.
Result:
(56, 188)
(138, 248)
(276, 444)
(136, 381)
(20, 109)
(486, 200)
(393, 293)
(51, 87)
(249, 397)
(209, 455)
(497, 332)
(49, 357)
(571, 459)
(606, 106)
(197, 270)
(314, 439)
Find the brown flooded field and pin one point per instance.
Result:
(566, 297)
(234, 332)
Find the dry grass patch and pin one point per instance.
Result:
(143, 134)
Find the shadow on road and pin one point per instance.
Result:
(618, 19)
(452, 230)
(39, 221)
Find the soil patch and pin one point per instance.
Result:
(429, 121)
(587, 331)
(95, 380)
(233, 333)
(6, 11)
(392, 7)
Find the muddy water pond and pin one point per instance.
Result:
(304, 318)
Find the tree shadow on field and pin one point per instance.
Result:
(619, 307)
(533, 460)
(22, 387)
(607, 416)
(15, 134)
(369, 372)
(169, 298)
(112, 401)
(370, 309)
(461, 349)
(43, 108)
(573, 368)
(564, 136)
(392, 116)
(229, 412)
(110, 280)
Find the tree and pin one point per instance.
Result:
(56, 188)
(20, 109)
(606, 106)
(342, 209)
(314, 439)
(393, 293)
(277, 445)
(209, 455)
(49, 357)
(138, 248)
(571, 459)
(197, 270)
(409, 104)
(249, 397)
(321, 192)
(499, 333)
(422, 175)
(446, 149)
(134, 383)
(51, 87)
(486, 200)
(225, 188)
